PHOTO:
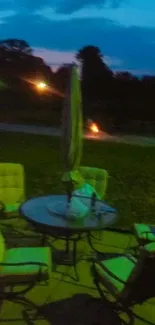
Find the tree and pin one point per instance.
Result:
(17, 63)
(15, 45)
(13, 55)
(125, 76)
(62, 77)
(88, 53)
(95, 73)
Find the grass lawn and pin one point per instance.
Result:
(131, 187)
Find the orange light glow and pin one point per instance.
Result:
(94, 128)
(41, 85)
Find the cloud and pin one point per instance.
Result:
(141, 72)
(7, 13)
(113, 61)
(56, 58)
(129, 48)
(61, 6)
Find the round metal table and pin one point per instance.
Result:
(50, 211)
(48, 216)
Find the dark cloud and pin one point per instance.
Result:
(61, 6)
(133, 45)
(70, 6)
(24, 5)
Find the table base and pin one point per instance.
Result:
(63, 258)
(69, 258)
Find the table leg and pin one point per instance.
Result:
(67, 245)
(89, 237)
(75, 259)
(44, 240)
(68, 257)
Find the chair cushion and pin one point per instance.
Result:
(121, 266)
(12, 187)
(150, 248)
(144, 232)
(14, 207)
(96, 177)
(24, 255)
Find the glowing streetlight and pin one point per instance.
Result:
(41, 85)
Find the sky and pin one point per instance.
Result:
(124, 30)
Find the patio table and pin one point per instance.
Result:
(48, 216)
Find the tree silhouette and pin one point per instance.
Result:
(15, 45)
(125, 76)
(95, 73)
(17, 63)
(62, 77)
(120, 100)
(88, 53)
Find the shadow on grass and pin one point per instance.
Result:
(84, 309)
(81, 309)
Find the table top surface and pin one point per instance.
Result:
(39, 210)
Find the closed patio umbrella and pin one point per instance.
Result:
(72, 130)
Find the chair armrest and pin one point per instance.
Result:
(147, 232)
(16, 234)
(111, 273)
(16, 231)
(25, 236)
(23, 263)
(14, 295)
(91, 171)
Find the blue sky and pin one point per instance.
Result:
(124, 30)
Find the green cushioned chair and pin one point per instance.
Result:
(12, 195)
(96, 177)
(12, 186)
(127, 279)
(27, 266)
(144, 233)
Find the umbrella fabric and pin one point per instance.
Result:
(72, 129)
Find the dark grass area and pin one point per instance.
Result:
(131, 187)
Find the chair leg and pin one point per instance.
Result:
(116, 307)
(89, 237)
(31, 312)
(43, 240)
(98, 236)
(75, 259)
(27, 319)
(24, 301)
(30, 316)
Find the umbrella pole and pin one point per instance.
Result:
(70, 188)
